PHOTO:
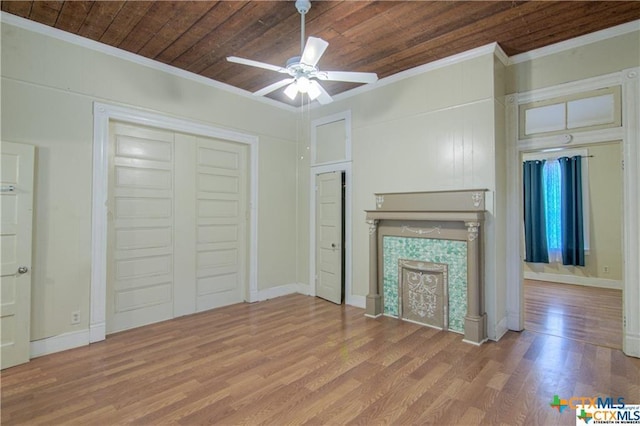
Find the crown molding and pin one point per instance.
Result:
(7, 18)
(580, 41)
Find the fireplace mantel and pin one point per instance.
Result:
(453, 215)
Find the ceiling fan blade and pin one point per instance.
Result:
(253, 63)
(275, 86)
(313, 50)
(352, 77)
(324, 98)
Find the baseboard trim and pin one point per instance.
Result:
(573, 279)
(97, 332)
(501, 328)
(357, 301)
(59, 343)
(513, 322)
(475, 343)
(283, 290)
(631, 345)
(304, 289)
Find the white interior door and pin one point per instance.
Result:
(17, 167)
(140, 281)
(221, 221)
(329, 236)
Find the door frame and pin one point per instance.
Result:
(628, 135)
(344, 167)
(102, 114)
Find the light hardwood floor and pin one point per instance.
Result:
(302, 360)
(589, 314)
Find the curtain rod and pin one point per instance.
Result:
(560, 156)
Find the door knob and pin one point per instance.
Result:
(23, 270)
(333, 245)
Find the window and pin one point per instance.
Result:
(552, 195)
(597, 109)
(552, 202)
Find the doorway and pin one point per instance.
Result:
(626, 131)
(337, 233)
(562, 300)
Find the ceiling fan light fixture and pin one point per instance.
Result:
(291, 91)
(303, 84)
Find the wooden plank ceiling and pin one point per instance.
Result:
(385, 37)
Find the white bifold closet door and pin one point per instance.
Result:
(177, 225)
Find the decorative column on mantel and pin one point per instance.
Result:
(374, 301)
(475, 320)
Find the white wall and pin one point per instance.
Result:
(585, 61)
(48, 90)
(435, 131)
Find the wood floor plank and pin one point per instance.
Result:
(577, 312)
(302, 360)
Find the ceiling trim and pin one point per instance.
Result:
(7, 18)
(580, 41)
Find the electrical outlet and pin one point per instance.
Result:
(75, 317)
(605, 269)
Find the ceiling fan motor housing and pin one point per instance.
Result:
(297, 68)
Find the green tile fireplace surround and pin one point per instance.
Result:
(437, 228)
(450, 252)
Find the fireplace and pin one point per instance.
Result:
(432, 240)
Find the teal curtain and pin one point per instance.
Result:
(571, 211)
(535, 233)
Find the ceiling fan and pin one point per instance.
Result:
(303, 71)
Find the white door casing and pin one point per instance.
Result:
(329, 236)
(17, 171)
